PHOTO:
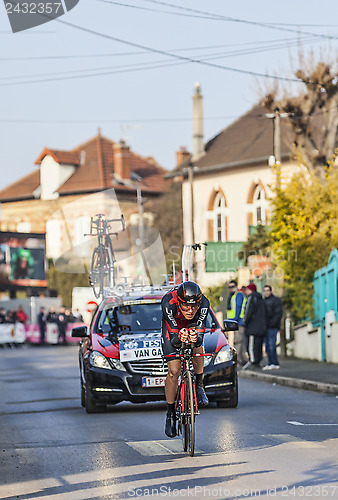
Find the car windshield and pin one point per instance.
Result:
(135, 317)
(131, 317)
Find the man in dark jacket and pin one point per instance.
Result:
(42, 322)
(274, 313)
(62, 322)
(255, 326)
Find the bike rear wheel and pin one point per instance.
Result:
(97, 272)
(188, 431)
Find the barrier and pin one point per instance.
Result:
(19, 333)
(12, 333)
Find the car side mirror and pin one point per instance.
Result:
(230, 325)
(80, 331)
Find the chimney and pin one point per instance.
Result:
(121, 160)
(181, 155)
(197, 108)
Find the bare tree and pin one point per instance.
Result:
(313, 115)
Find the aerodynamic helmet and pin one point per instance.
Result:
(189, 293)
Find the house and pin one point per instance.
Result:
(226, 187)
(68, 187)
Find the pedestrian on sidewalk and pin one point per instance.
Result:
(236, 306)
(274, 313)
(254, 326)
(62, 324)
(42, 322)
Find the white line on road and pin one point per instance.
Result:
(300, 423)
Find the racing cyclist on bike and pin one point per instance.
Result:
(184, 313)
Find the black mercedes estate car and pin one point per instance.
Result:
(120, 355)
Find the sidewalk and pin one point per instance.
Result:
(301, 374)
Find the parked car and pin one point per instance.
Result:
(120, 355)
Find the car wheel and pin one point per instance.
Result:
(83, 396)
(232, 402)
(90, 405)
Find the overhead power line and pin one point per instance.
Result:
(286, 41)
(162, 52)
(149, 64)
(276, 26)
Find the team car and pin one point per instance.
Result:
(120, 355)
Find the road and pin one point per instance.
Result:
(279, 443)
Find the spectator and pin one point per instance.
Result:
(52, 316)
(236, 306)
(62, 324)
(42, 322)
(11, 316)
(274, 313)
(255, 326)
(69, 315)
(2, 315)
(78, 316)
(21, 315)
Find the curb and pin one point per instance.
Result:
(309, 385)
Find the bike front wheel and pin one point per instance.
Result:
(188, 431)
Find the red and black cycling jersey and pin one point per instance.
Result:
(173, 320)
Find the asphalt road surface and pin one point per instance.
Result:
(279, 443)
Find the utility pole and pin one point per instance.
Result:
(276, 117)
(198, 152)
(140, 241)
(192, 209)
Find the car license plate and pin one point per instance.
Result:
(153, 381)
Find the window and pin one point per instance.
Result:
(220, 218)
(259, 206)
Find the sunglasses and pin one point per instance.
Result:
(186, 307)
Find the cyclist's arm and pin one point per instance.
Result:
(200, 320)
(169, 324)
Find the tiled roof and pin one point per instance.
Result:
(62, 157)
(247, 139)
(94, 161)
(22, 189)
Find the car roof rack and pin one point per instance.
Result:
(123, 290)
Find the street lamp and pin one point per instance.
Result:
(140, 240)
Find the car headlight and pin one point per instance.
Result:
(99, 361)
(117, 364)
(223, 355)
(207, 360)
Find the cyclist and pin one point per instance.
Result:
(184, 313)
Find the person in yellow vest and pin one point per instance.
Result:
(236, 306)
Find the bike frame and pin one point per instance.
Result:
(185, 411)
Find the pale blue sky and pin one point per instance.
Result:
(150, 108)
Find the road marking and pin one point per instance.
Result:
(293, 441)
(300, 423)
(160, 447)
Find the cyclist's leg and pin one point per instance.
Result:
(198, 363)
(171, 383)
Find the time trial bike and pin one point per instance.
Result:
(103, 273)
(186, 407)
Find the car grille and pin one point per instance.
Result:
(148, 367)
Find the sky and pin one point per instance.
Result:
(129, 68)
